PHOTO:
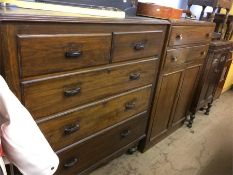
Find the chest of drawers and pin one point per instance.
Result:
(88, 83)
(187, 48)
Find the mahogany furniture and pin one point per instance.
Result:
(88, 82)
(213, 77)
(187, 47)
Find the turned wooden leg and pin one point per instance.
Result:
(224, 23)
(211, 19)
(202, 12)
(132, 150)
(191, 119)
(208, 108)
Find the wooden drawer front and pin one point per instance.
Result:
(68, 129)
(46, 97)
(182, 35)
(133, 45)
(176, 57)
(82, 156)
(43, 54)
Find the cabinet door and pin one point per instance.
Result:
(222, 80)
(214, 74)
(162, 109)
(186, 93)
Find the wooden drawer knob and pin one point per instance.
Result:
(179, 36)
(203, 53)
(208, 35)
(125, 133)
(73, 54)
(71, 129)
(72, 92)
(71, 163)
(135, 76)
(174, 59)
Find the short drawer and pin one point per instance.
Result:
(51, 95)
(183, 35)
(44, 54)
(80, 157)
(176, 57)
(134, 45)
(70, 128)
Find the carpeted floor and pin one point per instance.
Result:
(206, 149)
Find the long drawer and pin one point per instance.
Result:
(134, 45)
(183, 35)
(51, 95)
(176, 57)
(43, 54)
(86, 154)
(70, 128)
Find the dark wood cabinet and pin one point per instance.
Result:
(179, 75)
(213, 77)
(98, 87)
(223, 76)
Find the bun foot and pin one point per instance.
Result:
(132, 150)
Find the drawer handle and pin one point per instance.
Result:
(73, 54)
(71, 163)
(179, 36)
(139, 46)
(130, 105)
(135, 76)
(174, 59)
(72, 92)
(125, 133)
(71, 129)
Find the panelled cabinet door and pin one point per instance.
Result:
(163, 110)
(186, 93)
(222, 80)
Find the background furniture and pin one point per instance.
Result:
(213, 77)
(219, 20)
(224, 74)
(187, 48)
(87, 81)
(216, 5)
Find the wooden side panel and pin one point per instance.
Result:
(186, 94)
(163, 108)
(9, 58)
